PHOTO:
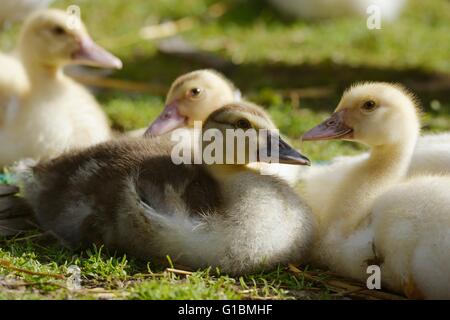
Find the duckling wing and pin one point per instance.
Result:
(105, 193)
(182, 189)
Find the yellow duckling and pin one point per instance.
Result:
(51, 113)
(193, 97)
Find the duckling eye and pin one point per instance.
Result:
(243, 124)
(58, 31)
(369, 105)
(195, 92)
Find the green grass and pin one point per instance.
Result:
(107, 276)
(269, 58)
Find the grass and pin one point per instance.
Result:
(29, 270)
(277, 63)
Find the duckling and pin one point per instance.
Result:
(53, 113)
(431, 156)
(388, 123)
(220, 215)
(15, 10)
(411, 223)
(319, 9)
(13, 84)
(193, 97)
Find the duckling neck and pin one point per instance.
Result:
(40, 73)
(351, 205)
(223, 172)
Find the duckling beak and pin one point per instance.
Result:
(92, 54)
(170, 119)
(289, 155)
(286, 153)
(331, 129)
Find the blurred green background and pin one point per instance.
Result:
(296, 69)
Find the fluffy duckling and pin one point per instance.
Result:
(319, 9)
(222, 215)
(411, 223)
(388, 123)
(13, 84)
(54, 113)
(193, 97)
(431, 156)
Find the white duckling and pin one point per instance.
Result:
(411, 223)
(193, 97)
(431, 156)
(54, 113)
(129, 195)
(388, 123)
(15, 10)
(319, 9)
(13, 84)
(373, 214)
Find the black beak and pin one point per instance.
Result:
(286, 153)
(289, 155)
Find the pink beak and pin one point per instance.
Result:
(92, 54)
(170, 119)
(333, 128)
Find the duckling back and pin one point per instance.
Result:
(98, 182)
(412, 235)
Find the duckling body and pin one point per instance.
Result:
(54, 117)
(345, 236)
(412, 234)
(45, 113)
(345, 241)
(375, 214)
(13, 84)
(130, 196)
(431, 156)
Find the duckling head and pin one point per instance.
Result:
(246, 134)
(375, 114)
(193, 97)
(53, 38)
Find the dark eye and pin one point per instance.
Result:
(369, 105)
(195, 92)
(243, 124)
(58, 30)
